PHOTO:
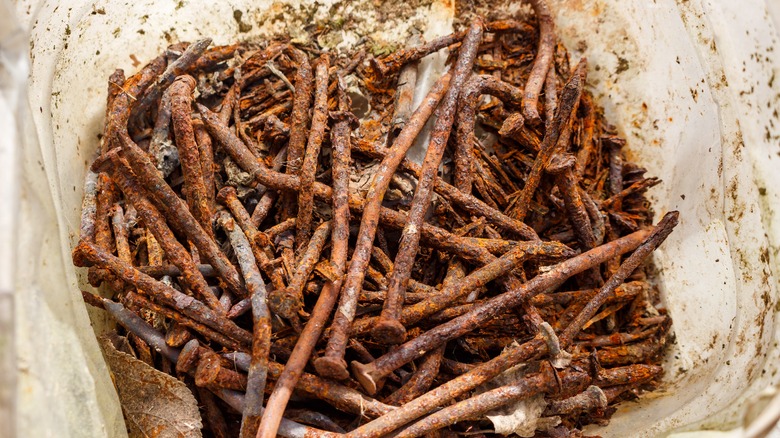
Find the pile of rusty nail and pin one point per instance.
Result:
(285, 259)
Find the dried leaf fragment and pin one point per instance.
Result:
(154, 403)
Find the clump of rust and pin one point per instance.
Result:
(261, 241)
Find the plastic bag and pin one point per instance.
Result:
(13, 69)
(689, 84)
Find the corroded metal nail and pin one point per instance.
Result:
(303, 223)
(261, 325)
(332, 363)
(388, 329)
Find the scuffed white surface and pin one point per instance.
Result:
(696, 104)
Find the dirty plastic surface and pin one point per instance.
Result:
(690, 85)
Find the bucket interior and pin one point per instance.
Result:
(654, 66)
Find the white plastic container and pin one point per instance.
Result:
(690, 84)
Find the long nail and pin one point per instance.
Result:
(308, 170)
(493, 269)
(189, 156)
(659, 234)
(261, 325)
(388, 329)
(299, 121)
(307, 340)
(332, 363)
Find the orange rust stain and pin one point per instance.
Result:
(449, 5)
